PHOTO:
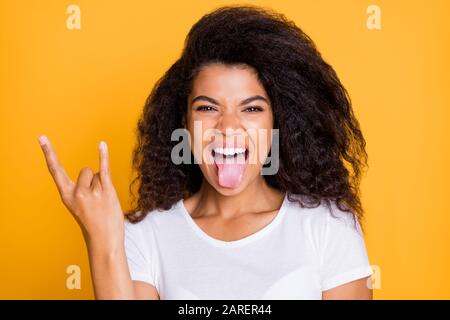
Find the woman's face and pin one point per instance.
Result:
(229, 119)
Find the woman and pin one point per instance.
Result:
(224, 224)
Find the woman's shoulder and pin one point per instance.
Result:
(325, 214)
(153, 217)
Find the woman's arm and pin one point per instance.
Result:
(109, 272)
(111, 276)
(145, 291)
(354, 290)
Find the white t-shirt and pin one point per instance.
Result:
(300, 253)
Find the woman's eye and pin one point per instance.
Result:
(212, 108)
(205, 108)
(253, 109)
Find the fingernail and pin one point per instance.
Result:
(43, 140)
(102, 145)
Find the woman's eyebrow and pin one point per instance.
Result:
(245, 101)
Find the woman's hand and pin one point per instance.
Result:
(92, 200)
(94, 204)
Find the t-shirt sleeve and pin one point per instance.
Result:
(138, 254)
(343, 255)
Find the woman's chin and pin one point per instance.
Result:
(228, 190)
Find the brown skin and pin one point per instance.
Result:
(223, 213)
(231, 213)
(359, 289)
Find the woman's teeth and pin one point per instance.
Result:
(229, 151)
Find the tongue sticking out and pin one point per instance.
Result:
(230, 170)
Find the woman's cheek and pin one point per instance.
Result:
(259, 133)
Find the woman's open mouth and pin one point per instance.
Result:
(230, 164)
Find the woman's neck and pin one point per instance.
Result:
(258, 196)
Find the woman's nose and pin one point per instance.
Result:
(229, 121)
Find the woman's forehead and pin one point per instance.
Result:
(227, 84)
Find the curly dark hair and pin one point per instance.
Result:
(322, 149)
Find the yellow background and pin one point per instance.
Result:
(81, 86)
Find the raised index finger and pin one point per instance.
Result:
(57, 171)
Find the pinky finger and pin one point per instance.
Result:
(105, 177)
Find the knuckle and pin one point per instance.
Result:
(112, 195)
(96, 193)
(51, 168)
(86, 170)
(80, 194)
(46, 150)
